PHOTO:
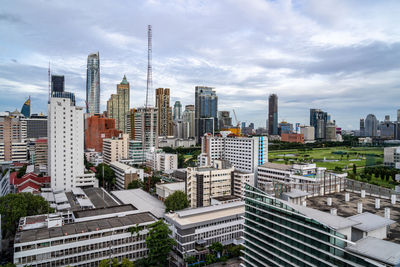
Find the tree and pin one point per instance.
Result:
(211, 258)
(159, 243)
(106, 263)
(176, 201)
(21, 171)
(109, 175)
(135, 184)
(15, 206)
(354, 169)
(126, 263)
(153, 180)
(216, 248)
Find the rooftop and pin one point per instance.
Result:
(103, 211)
(173, 186)
(369, 222)
(99, 197)
(226, 198)
(82, 227)
(381, 250)
(190, 217)
(348, 209)
(142, 200)
(294, 193)
(277, 166)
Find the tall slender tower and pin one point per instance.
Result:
(273, 114)
(93, 84)
(164, 112)
(149, 87)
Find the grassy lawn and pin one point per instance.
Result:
(344, 156)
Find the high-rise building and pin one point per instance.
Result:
(144, 126)
(273, 114)
(308, 132)
(318, 120)
(57, 83)
(177, 114)
(65, 144)
(115, 148)
(330, 132)
(188, 119)
(26, 108)
(118, 105)
(41, 152)
(97, 128)
(206, 111)
(93, 84)
(164, 112)
(244, 153)
(285, 127)
(13, 145)
(224, 120)
(204, 183)
(36, 126)
(362, 127)
(371, 126)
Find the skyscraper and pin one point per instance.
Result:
(273, 114)
(93, 84)
(371, 126)
(144, 126)
(177, 114)
(65, 144)
(26, 108)
(362, 127)
(164, 112)
(57, 83)
(224, 119)
(206, 109)
(118, 105)
(318, 120)
(188, 118)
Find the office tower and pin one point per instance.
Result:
(330, 132)
(362, 127)
(371, 126)
(178, 129)
(12, 137)
(398, 115)
(65, 144)
(318, 120)
(206, 109)
(36, 126)
(308, 132)
(188, 118)
(224, 120)
(26, 108)
(41, 153)
(164, 112)
(285, 127)
(202, 184)
(115, 148)
(57, 83)
(118, 105)
(244, 153)
(273, 114)
(93, 84)
(144, 126)
(177, 111)
(98, 128)
(387, 129)
(243, 125)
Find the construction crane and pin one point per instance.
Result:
(237, 122)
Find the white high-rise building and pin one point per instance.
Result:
(244, 153)
(65, 144)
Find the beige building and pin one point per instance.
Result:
(118, 105)
(125, 174)
(144, 126)
(204, 183)
(165, 126)
(12, 137)
(41, 151)
(115, 149)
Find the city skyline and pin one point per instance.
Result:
(307, 55)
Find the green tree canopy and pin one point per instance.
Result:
(106, 263)
(135, 184)
(21, 172)
(109, 175)
(176, 201)
(15, 206)
(159, 244)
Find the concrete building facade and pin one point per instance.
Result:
(206, 111)
(93, 84)
(98, 128)
(115, 149)
(118, 105)
(125, 174)
(164, 112)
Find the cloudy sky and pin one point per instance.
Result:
(340, 56)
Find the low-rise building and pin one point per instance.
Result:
(204, 183)
(292, 138)
(92, 236)
(125, 174)
(94, 157)
(168, 141)
(115, 149)
(161, 161)
(391, 156)
(166, 189)
(196, 229)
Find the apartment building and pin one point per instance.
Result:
(196, 229)
(240, 179)
(161, 161)
(92, 236)
(4, 182)
(125, 174)
(244, 153)
(41, 151)
(13, 134)
(36, 126)
(204, 183)
(115, 149)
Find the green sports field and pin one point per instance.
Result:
(331, 157)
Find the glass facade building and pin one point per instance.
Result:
(26, 108)
(277, 234)
(57, 83)
(206, 111)
(93, 84)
